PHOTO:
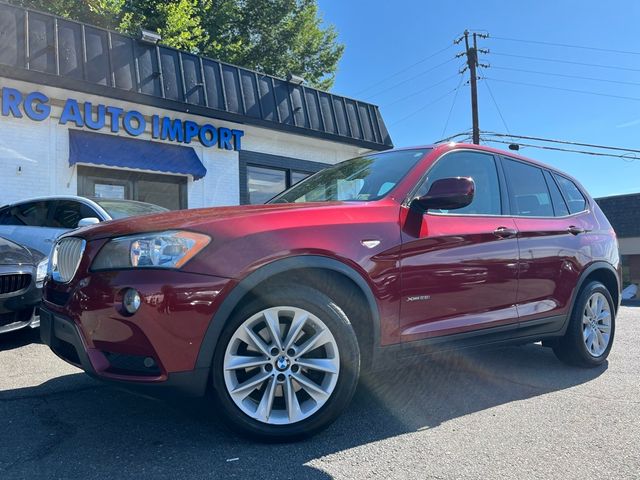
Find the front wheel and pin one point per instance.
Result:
(286, 365)
(589, 335)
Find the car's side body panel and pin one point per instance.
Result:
(457, 275)
(477, 287)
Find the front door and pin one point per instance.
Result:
(169, 191)
(459, 268)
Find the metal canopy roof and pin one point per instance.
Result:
(50, 50)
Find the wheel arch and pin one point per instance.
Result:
(290, 267)
(606, 274)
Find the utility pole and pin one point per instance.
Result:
(471, 53)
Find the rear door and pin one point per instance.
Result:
(550, 239)
(459, 268)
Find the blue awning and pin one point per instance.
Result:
(114, 151)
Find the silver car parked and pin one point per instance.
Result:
(37, 222)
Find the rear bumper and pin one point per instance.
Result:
(65, 339)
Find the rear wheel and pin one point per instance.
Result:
(286, 365)
(589, 336)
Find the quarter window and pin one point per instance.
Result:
(575, 199)
(481, 168)
(528, 192)
(559, 205)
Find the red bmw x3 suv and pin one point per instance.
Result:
(274, 309)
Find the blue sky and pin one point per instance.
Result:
(383, 38)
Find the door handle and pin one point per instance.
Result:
(573, 230)
(504, 232)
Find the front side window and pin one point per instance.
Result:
(528, 192)
(575, 199)
(68, 213)
(481, 168)
(360, 179)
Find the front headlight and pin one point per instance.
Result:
(41, 271)
(170, 249)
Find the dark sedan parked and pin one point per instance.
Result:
(21, 275)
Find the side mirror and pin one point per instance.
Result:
(447, 194)
(88, 221)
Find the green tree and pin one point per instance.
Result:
(271, 36)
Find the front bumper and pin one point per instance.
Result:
(26, 318)
(64, 338)
(85, 324)
(19, 309)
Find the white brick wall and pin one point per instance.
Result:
(41, 149)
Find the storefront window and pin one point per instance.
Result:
(265, 183)
(298, 176)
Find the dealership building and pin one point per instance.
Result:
(87, 111)
(623, 213)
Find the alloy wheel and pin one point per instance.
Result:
(596, 324)
(281, 365)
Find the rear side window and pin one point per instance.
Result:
(574, 197)
(559, 205)
(528, 192)
(69, 212)
(31, 214)
(481, 168)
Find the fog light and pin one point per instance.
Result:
(149, 362)
(131, 300)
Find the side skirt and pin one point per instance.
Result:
(531, 331)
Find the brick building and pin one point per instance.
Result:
(93, 112)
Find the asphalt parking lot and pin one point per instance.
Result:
(510, 413)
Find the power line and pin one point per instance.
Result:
(563, 142)
(586, 92)
(579, 77)
(409, 67)
(446, 124)
(546, 147)
(569, 62)
(486, 82)
(420, 91)
(415, 112)
(410, 78)
(464, 134)
(567, 45)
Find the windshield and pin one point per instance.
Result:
(360, 179)
(122, 209)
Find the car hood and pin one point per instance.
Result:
(13, 254)
(200, 219)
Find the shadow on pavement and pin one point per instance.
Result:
(19, 338)
(73, 426)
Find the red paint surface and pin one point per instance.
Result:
(473, 279)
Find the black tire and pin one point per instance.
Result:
(571, 348)
(335, 319)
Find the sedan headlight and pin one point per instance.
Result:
(170, 249)
(41, 271)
